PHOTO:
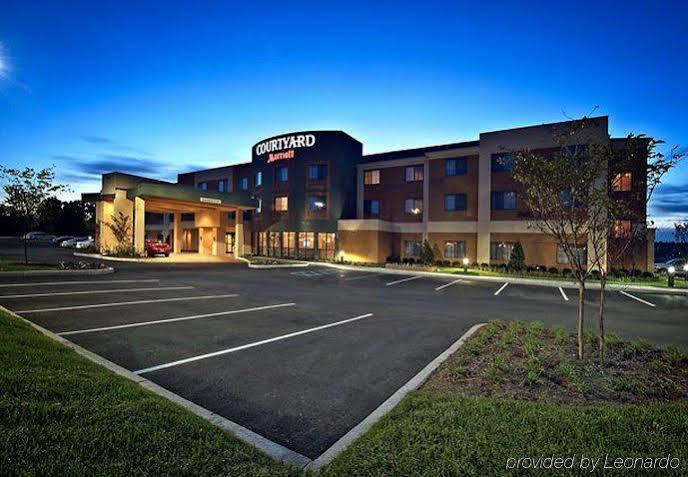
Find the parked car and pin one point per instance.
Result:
(71, 243)
(39, 236)
(678, 264)
(84, 243)
(61, 238)
(156, 247)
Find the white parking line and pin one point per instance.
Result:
(448, 284)
(122, 303)
(367, 275)
(638, 299)
(171, 320)
(501, 288)
(563, 294)
(250, 345)
(75, 282)
(94, 292)
(403, 280)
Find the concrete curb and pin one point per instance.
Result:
(43, 273)
(272, 449)
(97, 256)
(414, 383)
(516, 280)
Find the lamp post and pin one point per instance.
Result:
(465, 264)
(671, 271)
(685, 272)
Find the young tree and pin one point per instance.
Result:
(121, 230)
(517, 260)
(681, 238)
(617, 212)
(25, 190)
(556, 187)
(427, 256)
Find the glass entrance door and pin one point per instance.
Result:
(229, 242)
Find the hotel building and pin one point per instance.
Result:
(314, 194)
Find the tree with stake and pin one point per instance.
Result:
(25, 191)
(517, 260)
(427, 256)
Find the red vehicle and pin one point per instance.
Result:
(157, 248)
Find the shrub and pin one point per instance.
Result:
(647, 275)
(561, 336)
(530, 269)
(447, 263)
(427, 256)
(484, 266)
(595, 274)
(554, 270)
(566, 272)
(517, 261)
(411, 261)
(674, 355)
(439, 263)
(612, 339)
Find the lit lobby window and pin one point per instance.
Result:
(281, 203)
(622, 182)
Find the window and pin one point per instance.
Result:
(259, 179)
(622, 229)
(306, 244)
(288, 244)
(317, 172)
(622, 182)
(281, 203)
(243, 183)
(503, 200)
(259, 209)
(371, 177)
(203, 185)
(326, 245)
(231, 217)
(274, 244)
(500, 251)
(455, 167)
(189, 217)
(282, 174)
(412, 248)
(454, 249)
(414, 173)
(454, 202)
(222, 185)
(502, 162)
(371, 207)
(580, 251)
(317, 203)
(413, 206)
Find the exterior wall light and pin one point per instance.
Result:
(319, 204)
(671, 271)
(465, 264)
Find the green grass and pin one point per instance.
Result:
(430, 434)
(61, 414)
(14, 266)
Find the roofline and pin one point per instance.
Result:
(606, 116)
(148, 179)
(292, 133)
(213, 169)
(451, 145)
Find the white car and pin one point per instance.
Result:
(71, 243)
(61, 238)
(39, 236)
(85, 243)
(677, 263)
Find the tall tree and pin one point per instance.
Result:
(25, 190)
(681, 238)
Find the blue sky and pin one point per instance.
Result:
(160, 88)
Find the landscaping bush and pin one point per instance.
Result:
(566, 272)
(595, 274)
(554, 270)
(447, 263)
(647, 275)
(484, 266)
(427, 256)
(410, 261)
(517, 260)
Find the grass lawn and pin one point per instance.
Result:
(61, 414)
(14, 266)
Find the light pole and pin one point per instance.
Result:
(465, 264)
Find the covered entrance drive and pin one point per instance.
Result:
(205, 222)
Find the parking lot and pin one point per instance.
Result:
(301, 356)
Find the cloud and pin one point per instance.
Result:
(89, 168)
(112, 144)
(670, 200)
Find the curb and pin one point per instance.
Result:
(515, 280)
(272, 449)
(42, 273)
(414, 383)
(150, 260)
(277, 265)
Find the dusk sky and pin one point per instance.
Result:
(156, 89)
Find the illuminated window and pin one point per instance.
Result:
(503, 200)
(317, 172)
(412, 248)
(413, 173)
(501, 251)
(259, 179)
(371, 207)
(622, 182)
(317, 203)
(454, 249)
(502, 162)
(453, 202)
(282, 174)
(274, 244)
(243, 183)
(371, 177)
(281, 203)
(326, 242)
(413, 206)
(306, 244)
(579, 252)
(288, 244)
(455, 167)
(622, 229)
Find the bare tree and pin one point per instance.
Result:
(25, 191)
(681, 238)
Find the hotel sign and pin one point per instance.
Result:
(283, 147)
(209, 200)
